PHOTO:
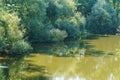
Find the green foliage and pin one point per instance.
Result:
(32, 14)
(63, 15)
(2, 44)
(20, 47)
(103, 19)
(11, 34)
(65, 7)
(77, 20)
(71, 30)
(116, 5)
(52, 11)
(33, 17)
(58, 35)
(1, 76)
(12, 29)
(41, 33)
(85, 6)
(61, 8)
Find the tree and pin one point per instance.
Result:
(41, 17)
(11, 37)
(85, 6)
(116, 5)
(103, 19)
(32, 14)
(52, 11)
(60, 9)
(64, 15)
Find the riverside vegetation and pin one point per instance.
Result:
(24, 22)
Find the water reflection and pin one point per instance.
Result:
(95, 46)
(71, 60)
(86, 68)
(4, 74)
(67, 49)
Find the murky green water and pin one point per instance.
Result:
(91, 59)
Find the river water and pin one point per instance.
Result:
(94, 58)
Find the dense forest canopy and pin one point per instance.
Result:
(27, 21)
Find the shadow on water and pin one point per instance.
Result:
(10, 66)
(68, 48)
(35, 72)
(38, 78)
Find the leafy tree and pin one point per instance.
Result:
(103, 19)
(116, 5)
(52, 11)
(32, 13)
(64, 16)
(61, 9)
(41, 17)
(10, 34)
(85, 6)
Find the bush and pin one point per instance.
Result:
(20, 47)
(11, 37)
(71, 30)
(58, 35)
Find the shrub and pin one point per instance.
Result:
(71, 30)
(58, 35)
(20, 47)
(11, 37)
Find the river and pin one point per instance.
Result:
(94, 58)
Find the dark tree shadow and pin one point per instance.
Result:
(32, 68)
(70, 47)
